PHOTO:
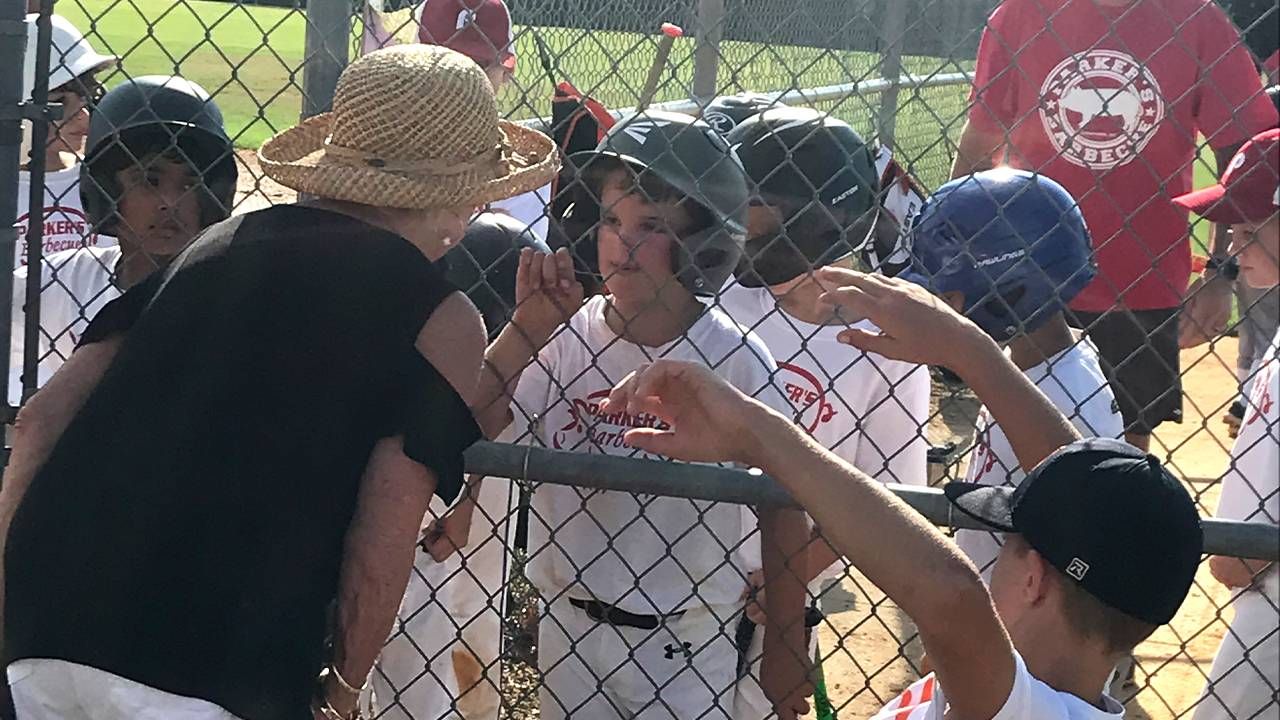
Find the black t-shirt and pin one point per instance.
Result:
(187, 529)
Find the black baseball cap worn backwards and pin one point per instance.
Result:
(1108, 516)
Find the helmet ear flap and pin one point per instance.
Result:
(705, 260)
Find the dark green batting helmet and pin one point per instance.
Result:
(691, 157)
(821, 173)
(157, 114)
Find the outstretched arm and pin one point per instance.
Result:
(926, 575)
(547, 295)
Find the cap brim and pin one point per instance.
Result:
(1211, 204)
(988, 504)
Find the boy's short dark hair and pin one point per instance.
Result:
(139, 148)
(646, 184)
(1088, 616)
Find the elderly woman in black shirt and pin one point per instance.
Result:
(216, 501)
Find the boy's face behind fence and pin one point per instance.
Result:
(69, 133)
(159, 205)
(1257, 245)
(635, 240)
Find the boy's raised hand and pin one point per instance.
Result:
(915, 325)
(547, 292)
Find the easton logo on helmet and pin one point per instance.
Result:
(640, 129)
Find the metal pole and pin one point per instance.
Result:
(35, 213)
(891, 37)
(708, 31)
(13, 46)
(328, 42)
(749, 487)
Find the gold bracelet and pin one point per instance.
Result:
(346, 687)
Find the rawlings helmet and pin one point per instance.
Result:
(157, 113)
(484, 265)
(1013, 242)
(727, 112)
(689, 156)
(822, 176)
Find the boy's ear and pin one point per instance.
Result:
(1037, 578)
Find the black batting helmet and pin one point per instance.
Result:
(484, 265)
(820, 173)
(727, 112)
(688, 155)
(156, 114)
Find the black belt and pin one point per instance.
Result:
(612, 614)
(746, 632)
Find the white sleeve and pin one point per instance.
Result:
(892, 447)
(17, 335)
(1031, 698)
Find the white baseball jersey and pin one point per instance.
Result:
(1074, 383)
(75, 285)
(638, 552)
(1251, 486)
(1029, 699)
(65, 225)
(1247, 665)
(866, 408)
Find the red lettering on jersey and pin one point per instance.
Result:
(1262, 405)
(67, 222)
(586, 414)
(907, 701)
(807, 395)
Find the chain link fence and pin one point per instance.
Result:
(509, 625)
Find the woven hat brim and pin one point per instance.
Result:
(295, 158)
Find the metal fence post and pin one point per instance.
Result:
(708, 31)
(13, 46)
(895, 20)
(328, 43)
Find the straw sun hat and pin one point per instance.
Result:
(412, 126)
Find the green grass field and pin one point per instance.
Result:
(251, 59)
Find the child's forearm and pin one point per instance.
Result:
(504, 361)
(784, 535)
(820, 556)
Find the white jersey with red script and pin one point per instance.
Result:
(866, 408)
(65, 225)
(1247, 665)
(75, 284)
(1029, 699)
(648, 555)
(1074, 383)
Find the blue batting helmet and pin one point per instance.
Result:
(1014, 243)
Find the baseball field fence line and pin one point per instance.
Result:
(505, 626)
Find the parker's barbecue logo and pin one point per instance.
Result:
(1100, 108)
(601, 429)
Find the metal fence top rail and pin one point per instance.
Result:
(751, 487)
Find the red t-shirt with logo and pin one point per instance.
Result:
(1108, 101)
